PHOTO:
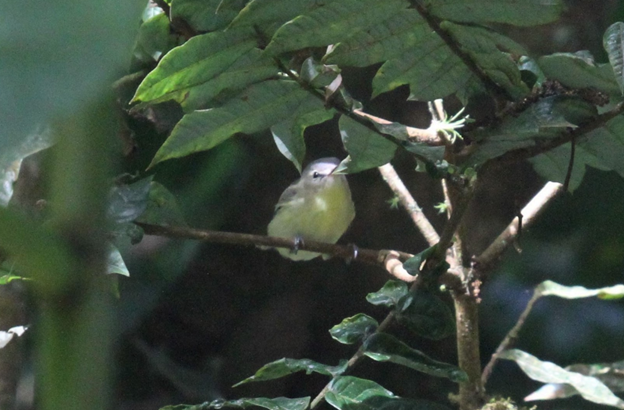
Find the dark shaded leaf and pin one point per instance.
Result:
(206, 15)
(410, 404)
(154, 39)
(578, 70)
(413, 264)
(387, 348)
(426, 315)
(389, 294)
(278, 403)
(284, 367)
(367, 149)
(353, 329)
(162, 207)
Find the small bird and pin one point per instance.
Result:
(316, 207)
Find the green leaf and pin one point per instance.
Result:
(412, 265)
(330, 22)
(426, 315)
(389, 294)
(206, 15)
(366, 148)
(284, 367)
(256, 109)
(353, 329)
(6, 279)
(127, 202)
(550, 288)
(606, 144)
(579, 70)
(517, 13)
(348, 392)
(162, 207)
(267, 16)
(613, 42)
(383, 347)
(288, 134)
(278, 403)
(553, 165)
(115, 263)
(154, 39)
(204, 66)
(589, 387)
(486, 47)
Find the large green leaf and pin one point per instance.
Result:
(366, 148)
(579, 70)
(267, 16)
(256, 109)
(484, 47)
(353, 329)
(284, 367)
(206, 15)
(331, 21)
(348, 392)
(204, 66)
(154, 39)
(590, 388)
(387, 348)
(426, 314)
(517, 13)
(613, 42)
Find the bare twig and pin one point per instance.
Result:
(510, 338)
(409, 203)
(529, 213)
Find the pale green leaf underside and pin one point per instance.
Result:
(518, 13)
(546, 372)
(613, 42)
(258, 108)
(550, 288)
(576, 71)
(197, 71)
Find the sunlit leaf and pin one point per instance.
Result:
(517, 13)
(387, 348)
(353, 329)
(256, 109)
(550, 288)
(589, 387)
(347, 392)
(284, 367)
(613, 42)
(204, 66)
(389, 295)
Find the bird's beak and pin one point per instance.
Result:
(339, 170)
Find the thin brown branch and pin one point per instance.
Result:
(510, 339)
(409, 203)
(529, 214)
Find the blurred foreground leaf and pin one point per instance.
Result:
(550, 288)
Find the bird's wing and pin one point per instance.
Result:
(287, 196)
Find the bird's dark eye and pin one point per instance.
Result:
(316, 175)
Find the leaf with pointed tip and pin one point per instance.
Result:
(389, 295)
(613, 42)
(284, 367)
(206, 15)
(426, 315)
(383, 347)
(115, 263)
(256, 109)
(348, 392)
(366, 148)
(517, 13)
(413, 264)
(578, 70)
(590, 388)
(206, 65)
(353, 329)
(330, 22)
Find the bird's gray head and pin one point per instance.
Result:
(316, 171)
